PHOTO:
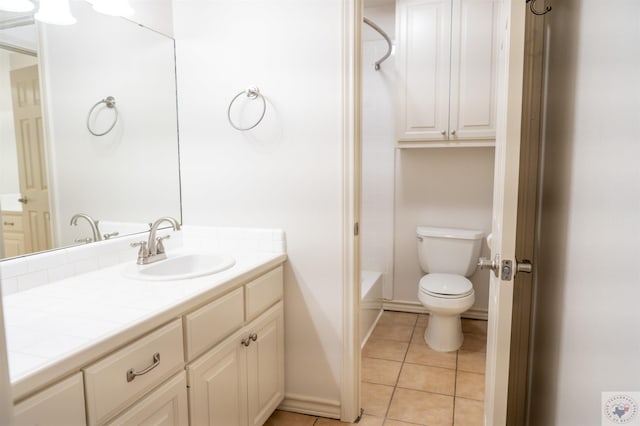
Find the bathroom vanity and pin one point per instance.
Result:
(204, 350)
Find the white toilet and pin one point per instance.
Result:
(447, 255)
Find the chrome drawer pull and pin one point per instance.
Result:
(131, 374)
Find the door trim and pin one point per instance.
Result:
(352, 122)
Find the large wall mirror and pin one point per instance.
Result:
(69, 157)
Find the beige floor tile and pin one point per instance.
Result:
(398, 333)
(421, 408)
(381, 371)
(468, 412)
(375, 398)
(371, 421)
(478, 327)
(474, 343)
(418, 335)
(470, 385)
(423, 320)
(420, 353)
(474, 362)
(428, 379)
(398, 318)
(286, 418)
(399, 423)
(385, 349)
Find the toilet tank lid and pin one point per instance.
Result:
(446, 284)
(464, 234)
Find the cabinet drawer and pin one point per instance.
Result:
(12, 222)
(213, 322)
(263, 293)
(108, 385)
(60, 404)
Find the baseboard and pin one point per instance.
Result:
(416, 307)
(312, 406)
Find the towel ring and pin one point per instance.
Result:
(110, 102)
(252, 93)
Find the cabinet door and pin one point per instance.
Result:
(424, 28)
(474, 58)
(165, 406)
(265, 365)
(218, 385)
(59, 405)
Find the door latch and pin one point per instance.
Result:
(506, 270)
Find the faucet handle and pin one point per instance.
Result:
(160, 245)
(143, 252)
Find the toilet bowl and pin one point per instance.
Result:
(448, 255)
(445, 296)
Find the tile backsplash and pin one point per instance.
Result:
(24, 273)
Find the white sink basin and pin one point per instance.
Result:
(180, 267)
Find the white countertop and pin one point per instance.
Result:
(56, 329)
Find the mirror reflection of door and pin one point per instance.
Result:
(32, 173)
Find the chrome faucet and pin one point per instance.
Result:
(153, 250)
(93, 223)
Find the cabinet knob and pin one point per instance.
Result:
(443, 133)
(453, 133)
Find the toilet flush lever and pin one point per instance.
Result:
(494, 264)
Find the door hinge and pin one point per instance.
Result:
(356, 229)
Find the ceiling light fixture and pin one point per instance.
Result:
(55, 12)
(16, 5)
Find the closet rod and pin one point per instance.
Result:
(386, 37)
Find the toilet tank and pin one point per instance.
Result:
(449, 250)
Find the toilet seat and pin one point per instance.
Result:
(446, 286)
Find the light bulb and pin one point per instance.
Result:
(16, 5)
(55, 12)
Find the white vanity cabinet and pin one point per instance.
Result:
(447, 58)
(61, 404)
(240, 381)
(221, 363)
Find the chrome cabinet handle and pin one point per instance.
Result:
(9, 223)
(453, 133)
(132, 374)
(253, 336)
(443, 133)
(23, 199)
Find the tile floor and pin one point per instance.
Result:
(404, 383)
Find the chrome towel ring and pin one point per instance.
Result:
(110, 102)
(252, 93)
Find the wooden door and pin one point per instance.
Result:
(505, 209)
(265, 365)
(32, 168)
(424, 34)
(474, 61)
(165, 406)
(218, 385)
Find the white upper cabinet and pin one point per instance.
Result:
(447, 57)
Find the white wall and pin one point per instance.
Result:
(130, 174)
(587, 317)
(287, 172)
(378, 152)
(448, 187)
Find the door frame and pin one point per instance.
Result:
(352, 175)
